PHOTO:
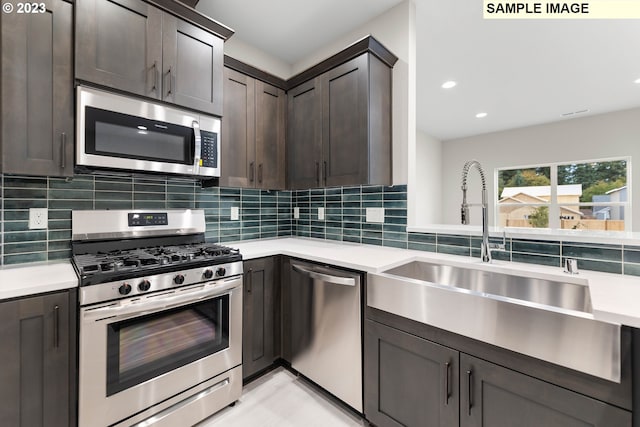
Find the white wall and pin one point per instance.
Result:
(427, 190)
(608, 135)
(237, 49)
(395, 29)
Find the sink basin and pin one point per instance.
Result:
(569, 296)
(548, 316)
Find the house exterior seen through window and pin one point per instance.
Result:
(590, 195)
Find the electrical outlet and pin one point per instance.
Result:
(375, 215)
(38, 218)
(235, 213)
(320, 214)
(296, 213)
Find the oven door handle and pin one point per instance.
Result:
(153, 304)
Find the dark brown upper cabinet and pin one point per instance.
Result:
(253, 133)
(339, 120)
(133, 46)
(37, 91)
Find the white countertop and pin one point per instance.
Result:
(614, 297)
(28, 279)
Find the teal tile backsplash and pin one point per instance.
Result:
(263, 214)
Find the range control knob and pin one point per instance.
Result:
(179, 279)
(143, 286)
(124, 289)
(221, 271)
(208, 273)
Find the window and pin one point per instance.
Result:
(592, 195)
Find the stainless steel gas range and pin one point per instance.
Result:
(160, 318)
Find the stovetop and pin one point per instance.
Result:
(118, 264)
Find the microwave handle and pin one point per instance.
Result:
(197, 146)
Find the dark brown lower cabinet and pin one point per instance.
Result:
(261, 314)
(410, 381)
(493, 396)
(37, 361)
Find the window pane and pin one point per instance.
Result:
(524, 185)
(530, 216)
(598, 181)
(603, 218)
(519, 191)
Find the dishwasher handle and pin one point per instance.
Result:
(329, 278)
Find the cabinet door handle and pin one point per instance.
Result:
(252, 170)
(56, 326)
(260, 173)
(318, 173)
(447, 388)
(470, 394)
(154, 68)
(170, 89)
(63, 150)
(249, 280)
(324, 173)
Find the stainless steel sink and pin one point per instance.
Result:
(569, 296)
(543, 316)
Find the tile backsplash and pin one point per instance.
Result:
(263, 214)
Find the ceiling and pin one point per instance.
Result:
(520, 72)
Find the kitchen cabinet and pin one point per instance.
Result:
(37, 383)
(339, 126)
(133, 46)
(253, 126)
(498, 397)
(37, 91)
(408, 382)
(260, 316)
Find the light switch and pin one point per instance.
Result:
(375, 215)
(235, 213)
(320, 214)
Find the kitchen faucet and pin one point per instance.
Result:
(464, 211)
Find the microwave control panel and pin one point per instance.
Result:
(209, 149)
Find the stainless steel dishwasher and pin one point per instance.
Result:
(326, 330)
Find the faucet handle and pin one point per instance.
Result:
(571, 266)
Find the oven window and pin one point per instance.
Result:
(142, 348)
(120, 135)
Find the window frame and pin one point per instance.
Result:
(554, 206)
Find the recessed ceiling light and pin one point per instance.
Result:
(448, 84)
(637, 81)
(481, 115)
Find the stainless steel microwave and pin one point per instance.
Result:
(118, 132)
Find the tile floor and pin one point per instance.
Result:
(280, 399)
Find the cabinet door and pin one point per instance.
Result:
(260, 330)
(37, 91)
(345, 123)
(192, 66)
(494, 396)
(270, 136)
(304, 137)
(34, 355)
(408, 381)
(238, 150)
(119, 44)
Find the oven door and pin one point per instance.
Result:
(119, 132)
(135, 353)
